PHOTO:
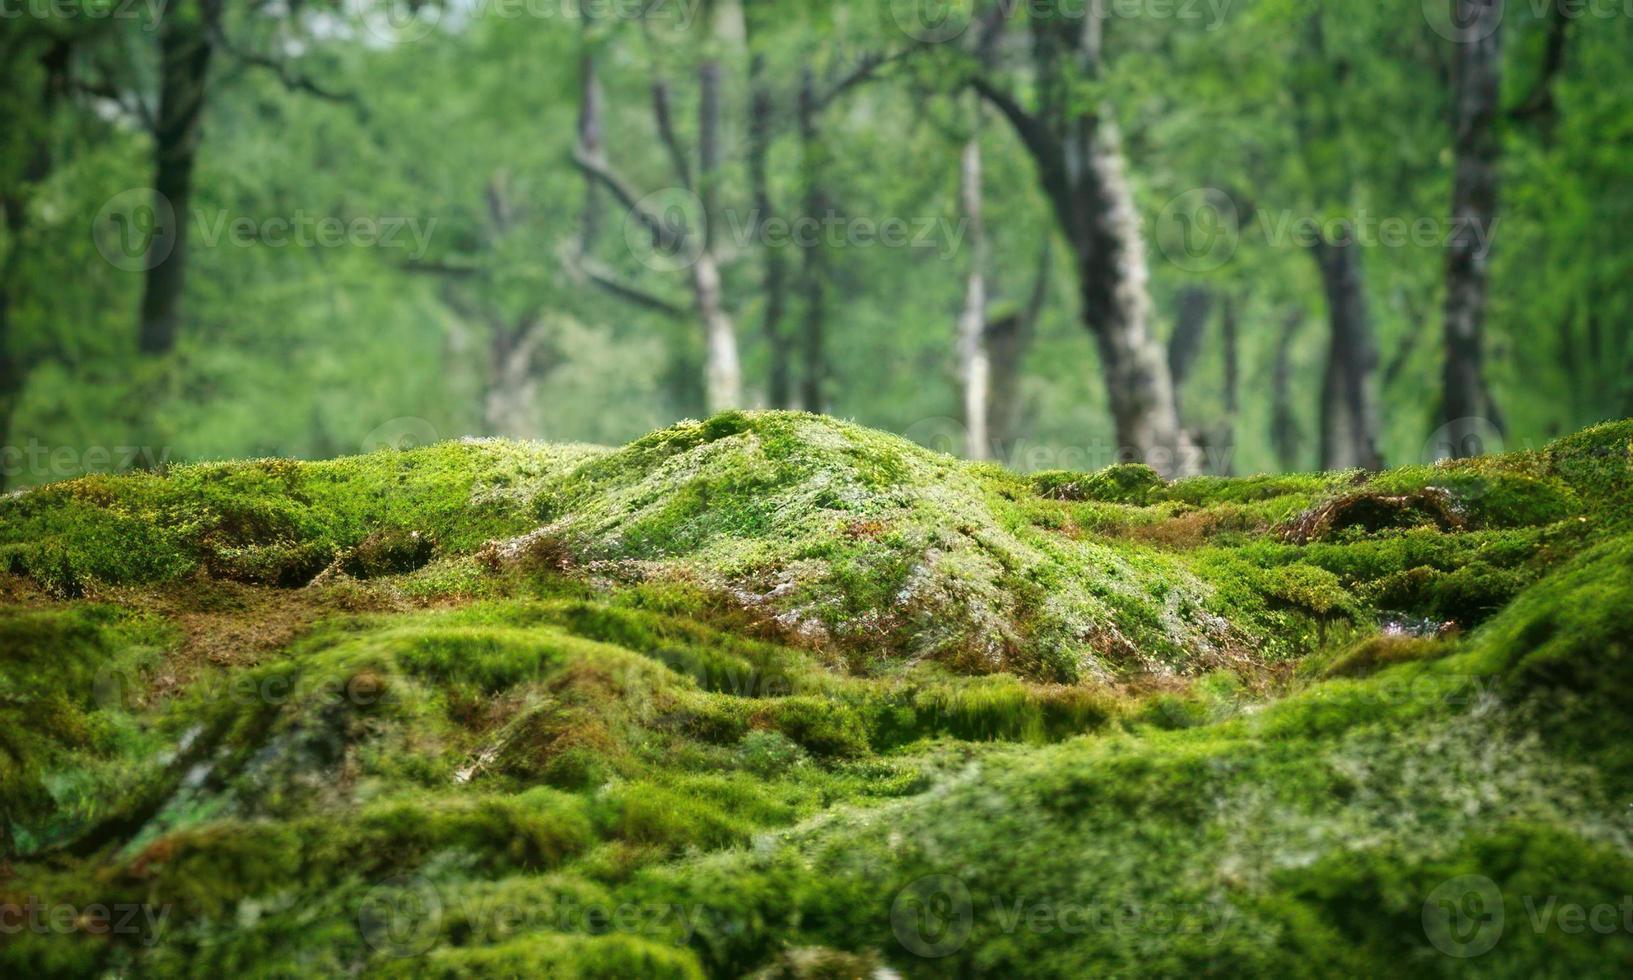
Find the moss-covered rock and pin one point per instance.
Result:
(772, 694)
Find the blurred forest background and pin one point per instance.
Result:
(1225, 235)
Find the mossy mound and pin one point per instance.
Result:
(776, 695)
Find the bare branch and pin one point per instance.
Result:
(292, 80)
(1539, 104)
(605, 278)
(666, 132)
(1039, 141)
(864, 71)
(595, 166)
(439, 267)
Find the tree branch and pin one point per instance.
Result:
(1539, 104)
(596, 167)
(605, 278)
(1039, 141)
(865, 69)
(292, 80)
(666, 133)
(439, 267)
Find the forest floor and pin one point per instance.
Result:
(778, 695)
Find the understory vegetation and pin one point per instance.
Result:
(773, 694)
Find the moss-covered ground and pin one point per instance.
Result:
(772, 694)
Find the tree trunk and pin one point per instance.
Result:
(723, 376)
(1477, 83)
(1190, 329)
(589, 139)
(510, 408)
(1077, 149)
(1285, 439)
(1007, 341)
(186, 39)
(813, 254)
(975, 371)
(1349, 399)
(722, 373)
(780, 394)
(14, 213)
(1114, 284)
(12, 377)
(12, 373)
(1233, 371)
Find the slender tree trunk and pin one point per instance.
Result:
(1226, 442)
(511, 406)
(975, 370)
(780, 394)
(12, 373)
(12, 378)
(813, 254)
(723, 376)
(1190, 329)
(1349, 399)
(1477, 84)
(14, 213)
(589, 140)
(185, 43)
(1007, 341)
(1285, 439)
(723, 373)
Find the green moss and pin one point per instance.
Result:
(1123, 483)
(804, 681)
(587, 957)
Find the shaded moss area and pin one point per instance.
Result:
(776, 695)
